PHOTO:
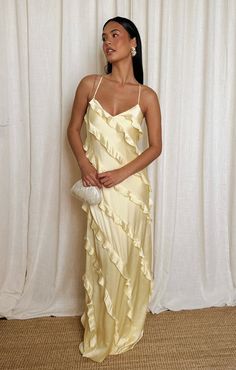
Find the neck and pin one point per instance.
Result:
(122, 72)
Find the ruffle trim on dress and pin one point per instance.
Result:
(90, 153)
(144, 179)
(114, 123)
(90, 307)
(109, 307)
(98, 109)
(85, 118)
(136, 242)
(120, 188)
(101, 281)
(116, 155)
(86, 144)
(90, 311)
(117, 261)
(127, 138)
(127, 193)
(105, 142)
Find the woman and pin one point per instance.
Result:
(118, 274)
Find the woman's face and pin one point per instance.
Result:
(116, 42)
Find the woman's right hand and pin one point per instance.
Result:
(89, 174)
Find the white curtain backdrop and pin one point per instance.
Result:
(189, 57)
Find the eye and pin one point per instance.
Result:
(113, 35)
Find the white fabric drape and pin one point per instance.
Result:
(189, 49)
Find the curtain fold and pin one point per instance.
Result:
(189, 60)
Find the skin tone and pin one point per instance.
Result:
(124, 89)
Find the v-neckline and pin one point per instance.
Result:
(119, 114)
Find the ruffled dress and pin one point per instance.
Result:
(118, 278)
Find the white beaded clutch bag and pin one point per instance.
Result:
(90, 194)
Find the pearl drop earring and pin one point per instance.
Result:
(133, 51)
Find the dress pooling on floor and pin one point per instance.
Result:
(118, 277)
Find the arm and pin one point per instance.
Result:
(88, 172)
(77, 115)
(153, 121)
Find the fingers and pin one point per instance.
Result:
(105, 179)
(91, 180)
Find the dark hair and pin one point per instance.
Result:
(137, 59)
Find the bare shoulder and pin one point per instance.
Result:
(149, 103)
(149, 96)
(88, 81)
(86, 84)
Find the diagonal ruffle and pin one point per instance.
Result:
(136, 242)
(105, 142)
(90, 307)
(127, 115)
(115, 123)
(127, 193)
(90, 311)
(107, 298)
(113, 152)
(144, 179)
(115, 259)
(120, 188)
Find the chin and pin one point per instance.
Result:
(110, 57)
(113, 58)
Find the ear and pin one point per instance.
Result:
(133, 42)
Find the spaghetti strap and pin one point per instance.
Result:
(97, 87)
(139, 93)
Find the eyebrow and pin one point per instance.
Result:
(115, 29)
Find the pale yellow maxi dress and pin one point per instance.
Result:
(118, 278)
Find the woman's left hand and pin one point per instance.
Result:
(111, 178)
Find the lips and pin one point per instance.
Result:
(109, 50)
